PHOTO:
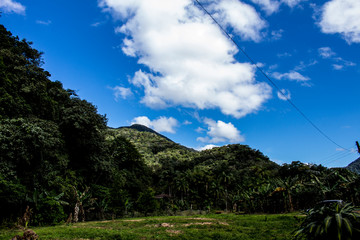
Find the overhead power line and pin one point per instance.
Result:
(337, 159)
(269, 79)
(337, 156)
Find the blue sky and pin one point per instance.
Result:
(165, 64)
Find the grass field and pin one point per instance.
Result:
(221, 226)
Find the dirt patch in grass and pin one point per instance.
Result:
(166, 225)
(223, 223)
(199, 223)
(205, 223)
(174, 232)
(202, 219)
(102, 228)
(134, 220)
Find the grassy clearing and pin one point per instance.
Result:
(223, 226)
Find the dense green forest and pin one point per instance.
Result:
(58, 157)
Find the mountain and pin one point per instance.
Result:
(354, 166)
(153, 146)
(142, 128)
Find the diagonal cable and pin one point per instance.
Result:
(269, 79)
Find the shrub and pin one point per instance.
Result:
(329, 222)
(146, 202)
(48, 212)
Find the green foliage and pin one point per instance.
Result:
(52, 142)
(48, 211)
(333, 221)
(12, 195)
(151, 145)
(146, 203)
(82, 128)
(25, 89)
(222, 226)
(49, 138)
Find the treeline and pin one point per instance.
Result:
(53, 153)
(58, 157)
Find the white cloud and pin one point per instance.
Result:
(46, 23)
(284, 94)
(276, 35)
(269, 6)
(342, 16)
(221, 132)
(242, 17)
(207, 147)
(121, 92)
(338, 66)
(292, 3)
(326, 52)
(187, 122)
(142, 120)
(292, 76)
(96, 24)
(284, 55)
(161, 124)
(273, 6)
(9, 6)
(302, 66)
(200, 130)
(190, 62)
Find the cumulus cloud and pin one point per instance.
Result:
(303, 66)
(292, 3)
(161, 124)
(276, 35)
(221, 132)
(242, 17)
(189, 61)
(41, 22)
(338, 66)
(292, 76)
(268, 6)
(9, 6)
(326, 52)
(284, 55)
(341, 16)
(187, 122)
(273, 6)
(207, 147)
(121, 92)
(284, 94)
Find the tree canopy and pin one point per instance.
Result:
(58, 157)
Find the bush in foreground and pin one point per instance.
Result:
(329, 222)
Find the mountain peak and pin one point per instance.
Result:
(143, 128)
(354, 166)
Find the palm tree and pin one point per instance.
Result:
(330, 222)
(288, 185)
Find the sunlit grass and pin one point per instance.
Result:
(222, 226)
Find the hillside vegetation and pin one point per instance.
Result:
(226, 226)
(354, 166)
(60, 162)
(151, 145)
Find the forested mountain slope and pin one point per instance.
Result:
(151, 145)
(57, 155)
(53, 151)
(354, 166)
